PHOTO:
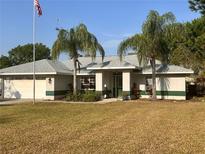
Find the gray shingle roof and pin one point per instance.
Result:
(167, 69)
(41, 67)
(129, 61)
(112, 64)
(88, 66)
(114, 61)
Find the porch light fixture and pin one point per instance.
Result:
(105, 86)
(49, 81)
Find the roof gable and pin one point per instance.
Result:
(41, 67)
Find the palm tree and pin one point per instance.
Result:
(150, 44)
(76, 41)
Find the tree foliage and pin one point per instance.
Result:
(186, 44)
(24, 54)
(151, 43)
(197, 5)
(4, 62)
(76, 41)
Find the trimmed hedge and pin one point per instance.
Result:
(86, 96)
(91, 96)
(74, 97)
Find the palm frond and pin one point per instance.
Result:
(88, 43)
(60, 45)
(101, 51)
(75, 41)
(55, 50)
(125, 45)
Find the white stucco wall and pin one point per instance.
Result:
(174, 84)
(99, 81)
(126, 81)
(58, 84)
(170, 86)
(62, 82)
(21, 87)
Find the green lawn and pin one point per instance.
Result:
(134, 127)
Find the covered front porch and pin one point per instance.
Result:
(131, 84)
(114, 78)
(114, 83)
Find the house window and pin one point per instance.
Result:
(87, 83)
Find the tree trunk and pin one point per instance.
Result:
(74, 76)
(153, 78)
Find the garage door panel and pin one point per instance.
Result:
(24, 89)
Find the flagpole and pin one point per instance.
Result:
(34, 53)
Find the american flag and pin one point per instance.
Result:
(38, 7)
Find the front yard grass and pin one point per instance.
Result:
(133, 127)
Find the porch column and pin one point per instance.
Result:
(126, 83)
(99, 81)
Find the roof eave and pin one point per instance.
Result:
(191, 72)
(110, 68)
(62, 73)
(39, 73)
(84, 74)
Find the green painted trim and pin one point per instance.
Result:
(56, 93)
(166, 93)
(143, 92)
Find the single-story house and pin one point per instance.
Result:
(54, 78)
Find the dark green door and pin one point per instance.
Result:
(117, 85)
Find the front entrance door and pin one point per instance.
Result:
(117, 84)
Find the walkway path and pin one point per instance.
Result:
(18, 101)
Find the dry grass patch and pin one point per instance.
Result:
(111, 128)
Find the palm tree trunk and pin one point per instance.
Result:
(153, 78)
(74, 76)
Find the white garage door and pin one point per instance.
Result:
(24, 88)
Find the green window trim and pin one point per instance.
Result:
(166, 93)
(56, 93)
